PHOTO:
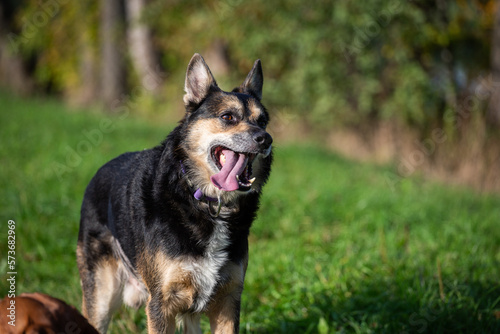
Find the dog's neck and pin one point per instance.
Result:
(198, 194)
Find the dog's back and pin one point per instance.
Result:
(114, 195)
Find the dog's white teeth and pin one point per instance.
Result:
(222, 159)
(248, 183)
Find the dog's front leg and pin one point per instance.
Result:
(159, 321)
(224, 312)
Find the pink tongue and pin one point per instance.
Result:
(235, 165)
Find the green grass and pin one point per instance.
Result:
(335, 249)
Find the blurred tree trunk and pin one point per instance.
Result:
(494, 107)
(88, 92)
(13, 73)
(140, 45)
(113, 71)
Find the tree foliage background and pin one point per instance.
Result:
(421, 64)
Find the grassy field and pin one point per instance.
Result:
(335, 248)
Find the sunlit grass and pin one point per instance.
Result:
(334, 249)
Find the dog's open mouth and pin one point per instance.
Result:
(235, 169)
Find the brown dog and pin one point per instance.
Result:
(38, 313)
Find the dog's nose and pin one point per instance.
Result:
(263, 139)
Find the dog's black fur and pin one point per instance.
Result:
(145, 237)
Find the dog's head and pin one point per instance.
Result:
(227, 148)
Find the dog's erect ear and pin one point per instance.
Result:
(199, 80)
(254, 81)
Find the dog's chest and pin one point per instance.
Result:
(205, 270)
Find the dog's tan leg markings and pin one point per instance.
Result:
(102, 286)
(159, 322)
(171, 289)
(80, 259)
(224, 311)
(224, 317)
(107, 293)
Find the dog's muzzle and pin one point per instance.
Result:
(234, 160)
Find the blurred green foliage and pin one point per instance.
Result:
(332, 62)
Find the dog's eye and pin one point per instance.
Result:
(228, 117)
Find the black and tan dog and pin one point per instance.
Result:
(169, 226)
